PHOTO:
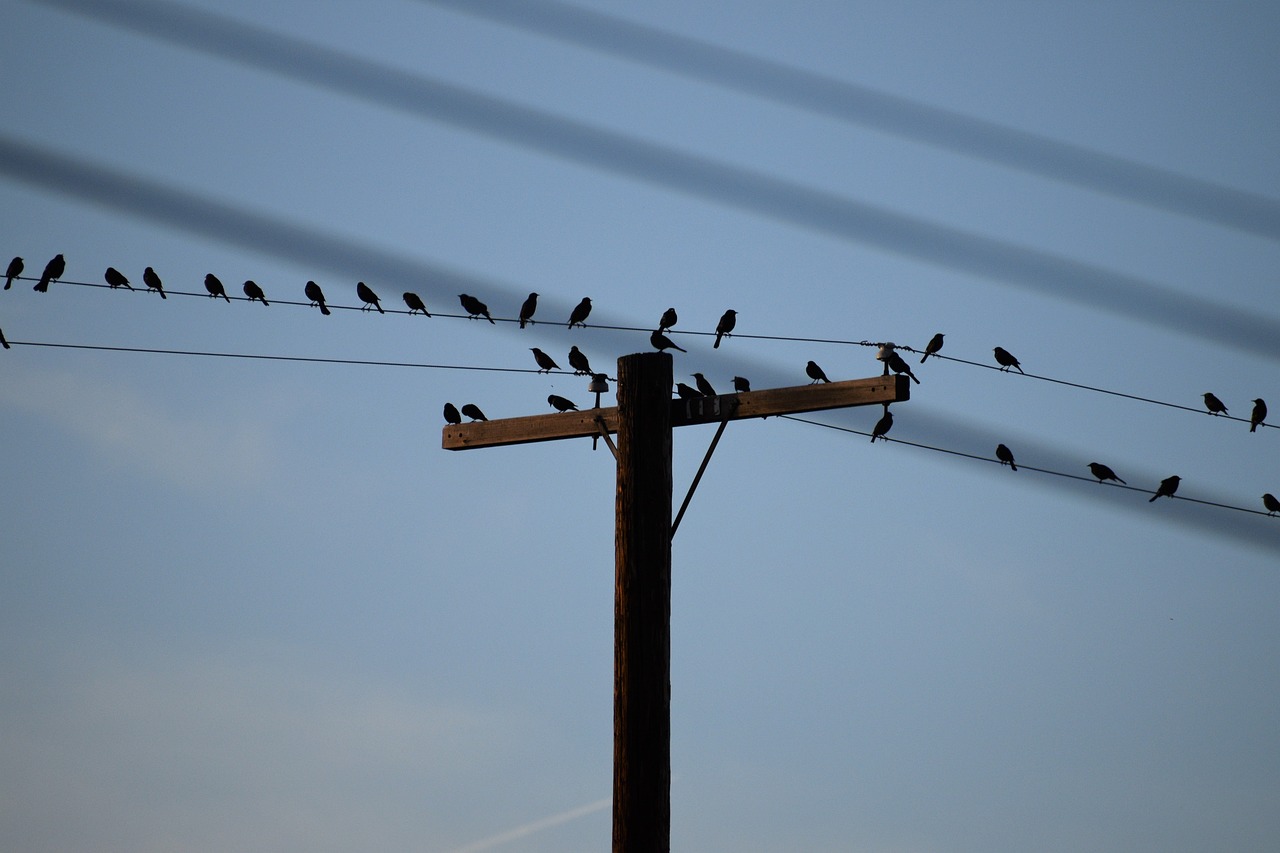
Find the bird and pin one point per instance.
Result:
(661, 342)
(415, 303)
(215, 288)
(579, 313)
(1271, 503)
(3, 342)
(897, 364)
(52, 272)
(1259, 414)
(1005, 455)
(725, 327)
(451, 415)
(472, 411)
(545, 363)
(152, 281)
(526, 310)
(703, 385)
(474, 307)
(1213, 404)
(578, 361)
(252, 291)
(815, 373)
(368, 297)
(668, 320)
(1168, 486)
(15, 270)
(115, 278)
(1102, 472)
(1006, 360)
(882, 426)
(741, 385)
(687, 392)
(931, 348)
(316, 295)
(560, 404)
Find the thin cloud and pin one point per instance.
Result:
(525, 830)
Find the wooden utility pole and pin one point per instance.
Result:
(643, 421)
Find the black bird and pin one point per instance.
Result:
(451, 415)
(1214, 405)
(472, 411)
(1005, 455)
(668, 320)
(815, 373)
(474, 307)
(882, 426)
(545, 363)
(935, 344)
(3, 342)
(15, 270)
(1006, 360)
(1102, 472)
(897, 364)
(316, 295)
(578, 361)
(152, 281)
(741, 385)
(115, 278)
(252, 291)
(687, 392)
(1259, 414)
(415, 303)
(661, 342)
(52, 272)
(1168, 486)
(727, 321)
(368, 297)
(526, 310)
(579, 313)
(703, 385)
(560, 404)
(215, 287)
(1271, 503)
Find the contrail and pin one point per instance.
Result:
(536, 826)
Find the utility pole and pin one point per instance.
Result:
(643, 421)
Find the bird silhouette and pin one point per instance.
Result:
(472, 411)
(935, 344)
(546, 363)
(52, 272)
(815, 373)
(741, 385)
(252, 291)
(560, 404)
(1005, 455)
(1102, 472)
(115, 278)
(528, 308)
(725, 327)
(688, 392)
(1006, 360)
(152, 281)
(316, 295)
(3, 342)
(415, 303)
(579, 313)
(882, 426)
(897, 364)
(215, 287)
(368, 297)
(578, 361)
(1271, 503)
(474, 307)
(703, 385)
(15, 270)
(661, 342)
(451, 415)
(1168, 486)
(1259, 414)
(668, 320)
(1214, 405)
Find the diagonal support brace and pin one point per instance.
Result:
(703, 467)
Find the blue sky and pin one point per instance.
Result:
(252, 604)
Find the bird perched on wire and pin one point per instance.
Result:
(1259, 414)
(316, 295)
(931, 348)
(725, 327)
(414, 303)
(1005, 455)
(115, 278)
(451, 415)
(703, 385)
(815, 373)
(1168, 486)
(1271, 503)
(741, 384)
(1006, 360)
(526, 310)
(1213, 404)
(215, 288)
(1102, 472)
(898, 364)
(52, 272)
(668, 320)
(560, 404)
(252, 291)
(15, 270)
(578, 315)
(152, 281)
(688, 392)
(546, 363)
(474, 307)
(578, 361)
(661, 342)
(368, 297)
(882, 426)
(472, 411)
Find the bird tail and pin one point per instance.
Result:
(228, 298)
(1121, 482)
(1153, 497)
(716, 345)
(522, 322)
(378, 305)
(926, 355)
(1252, 427)
(675, 345)
(42, 286)
(490, 319)
(162, 296)
(324, 309)
(913, 377)
(1012, 465)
